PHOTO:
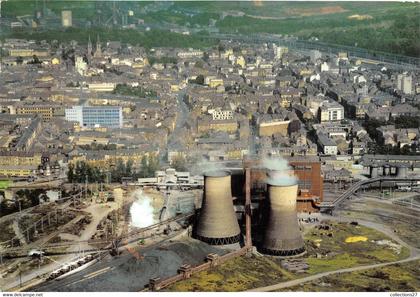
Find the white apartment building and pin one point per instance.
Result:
(331, 111)
(219, 114)
(405, 83)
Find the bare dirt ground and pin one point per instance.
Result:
(316, 11)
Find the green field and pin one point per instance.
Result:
(4, 184)
(327, 250)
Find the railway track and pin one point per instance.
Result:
(390, 217)
(125, 239)
(329, 206)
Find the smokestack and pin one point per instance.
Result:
(282, 236)
(217, 224)
(248, 213)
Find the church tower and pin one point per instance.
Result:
(98, 52)
(89, 49)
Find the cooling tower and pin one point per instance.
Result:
(282, 236)
(217, 223)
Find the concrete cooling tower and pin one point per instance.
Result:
(282, 236)
(217, 223)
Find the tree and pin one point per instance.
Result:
(179, 163)
(402, 122)
(35, 60)
(34, 200)
(199, 64)
(371, 126)
(19, 60)
(153, 161)
(206, 57)
(81, 172)
(221, 47)
(237, 50)
(129, 168)
(119, 171)
(149, 165)
(144, 167)
(200, 79)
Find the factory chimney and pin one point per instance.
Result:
(217, 223)
(282, 236)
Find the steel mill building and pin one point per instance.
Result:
(310, 181)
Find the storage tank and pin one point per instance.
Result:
(282, 236)
(373, 171)
(217, 223)
(402, 171)
(386, 170)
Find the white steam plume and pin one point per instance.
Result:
(279, 172)
(142, 212)
(203, 166)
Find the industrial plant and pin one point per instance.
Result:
(217, 223)
(209, 146)
(282, 236)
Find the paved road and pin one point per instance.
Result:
(42, 184)
(181, 119)
(299, 281)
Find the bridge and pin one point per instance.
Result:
(328, 207)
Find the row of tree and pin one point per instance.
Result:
(24, 198)
(148, 39)
(124, 89)
(389, 149)
(400, 122)
(82, 172)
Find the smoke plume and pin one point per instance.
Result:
(142, 212)
(204, 166)
(279, 172)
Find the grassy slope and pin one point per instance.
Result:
(395, 27)
(154, 38)
(245, 273)
(394, 278)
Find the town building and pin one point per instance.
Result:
(95, 116)
(331, 111)
(45, 111)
